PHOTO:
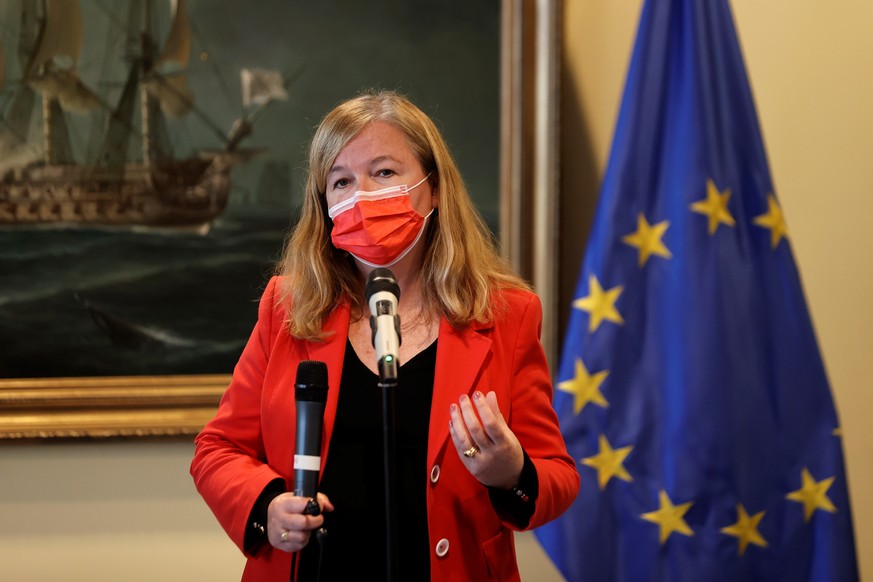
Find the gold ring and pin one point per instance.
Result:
(471, 452)
(284, 536)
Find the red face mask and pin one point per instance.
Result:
(378, 228)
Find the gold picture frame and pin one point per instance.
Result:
(179, 406)
(136, 406)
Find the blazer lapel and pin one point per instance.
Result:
(461, 355)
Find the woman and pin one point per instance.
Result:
(479, 450)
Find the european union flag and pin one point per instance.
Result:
(691, 390)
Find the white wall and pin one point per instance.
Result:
(107, 512)
(104, 512)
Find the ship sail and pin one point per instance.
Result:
(173, 93)
(60, 40)
(15, 149)
(61, 36)
(177, 47)
(170, 86)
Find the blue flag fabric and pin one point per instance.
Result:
(691, 390)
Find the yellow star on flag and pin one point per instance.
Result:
(746, 529)
(669, 517)
(600, 304)
(812, 494)
(585, 387)
(714, 206)
(647, 238)
(608, 462)
(774, 220)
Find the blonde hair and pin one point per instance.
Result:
(462, 269)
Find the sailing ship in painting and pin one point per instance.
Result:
(129, 176)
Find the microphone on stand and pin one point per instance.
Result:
(310, 395)
(383, 293)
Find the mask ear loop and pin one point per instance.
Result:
(420, 182)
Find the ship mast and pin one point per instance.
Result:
(141, 83)
(164, 87)
(49, 130)
(48, 119)
(147, 61)
(61, 35)
(16, 124)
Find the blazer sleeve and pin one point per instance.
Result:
(229, 464)
(532, 417)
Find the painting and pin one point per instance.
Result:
(120, 318)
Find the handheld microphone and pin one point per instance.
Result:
(310, 395)
(382, 294)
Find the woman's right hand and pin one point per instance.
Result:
(288, 528)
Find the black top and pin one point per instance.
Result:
(354, 479)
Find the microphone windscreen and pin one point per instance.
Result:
(381, 279)
(311, 381)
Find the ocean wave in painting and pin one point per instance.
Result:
(93, 303)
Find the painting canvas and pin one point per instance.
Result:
(85, 300)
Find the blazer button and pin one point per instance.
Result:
(442, 547)
(434, 473)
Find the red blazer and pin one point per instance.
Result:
(250, 441)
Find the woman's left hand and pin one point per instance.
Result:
(485, 443)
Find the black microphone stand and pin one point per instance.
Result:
(388, 385)
(382, 294)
